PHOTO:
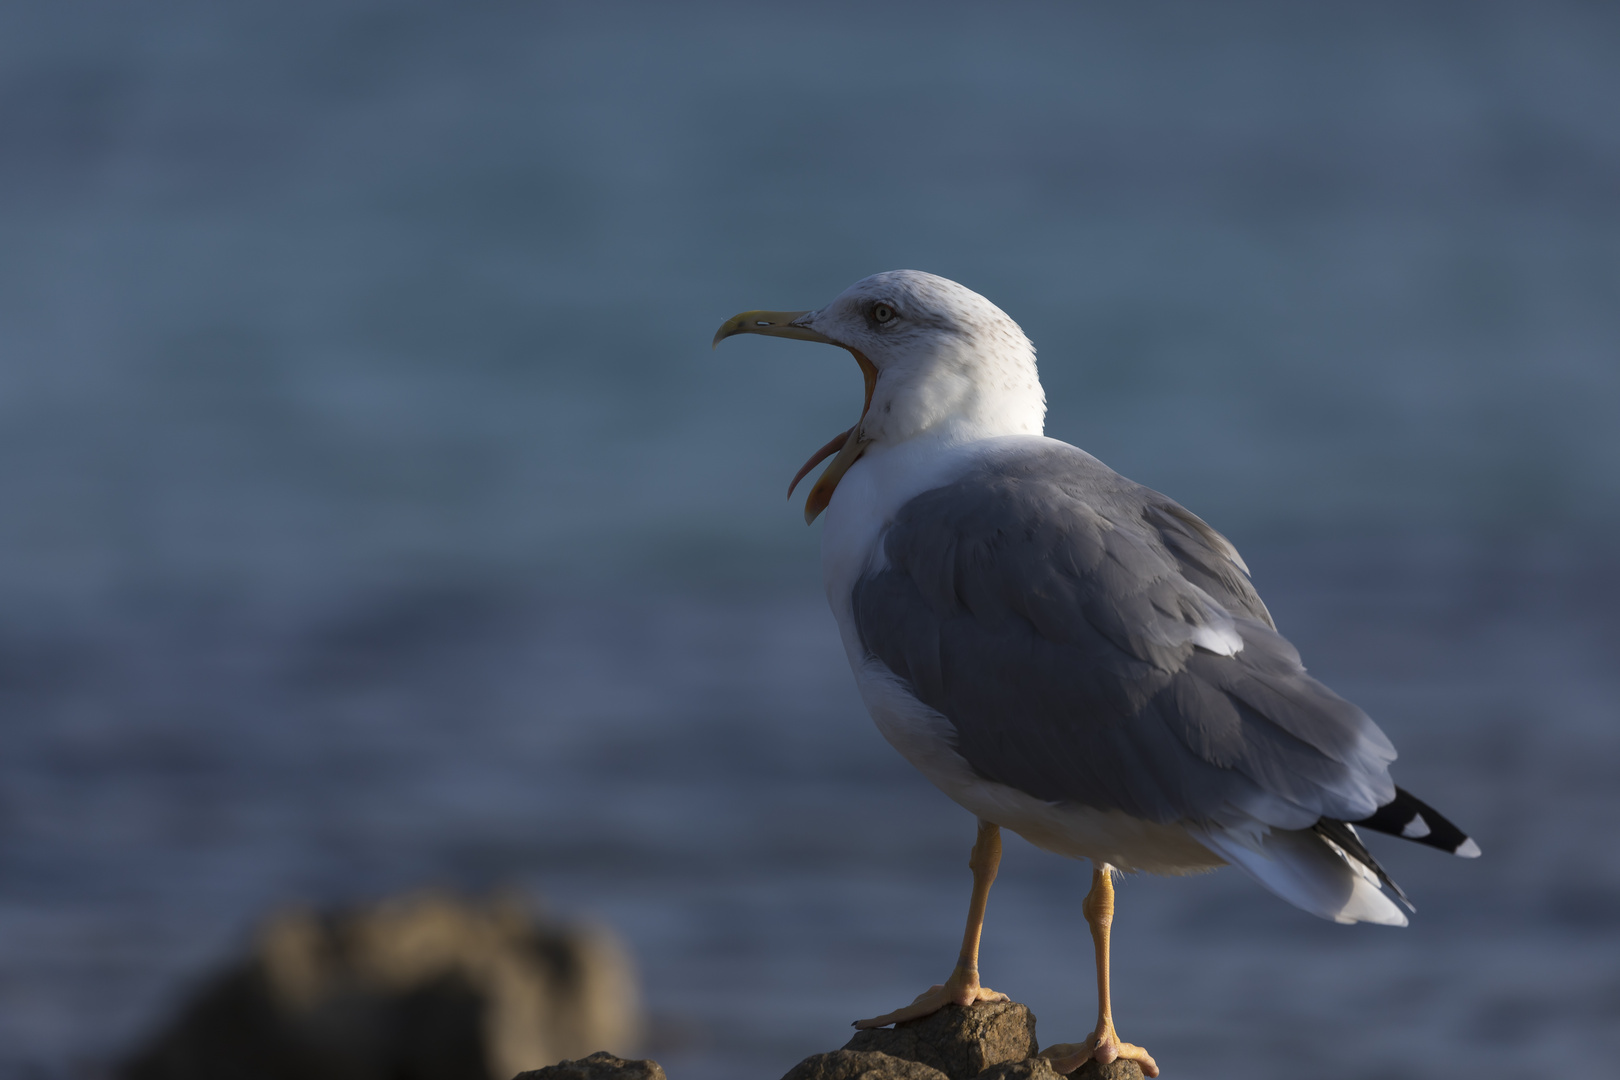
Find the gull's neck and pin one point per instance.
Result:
(932, 416)
(957, 396)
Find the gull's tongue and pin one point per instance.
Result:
(835, 444)
(847, 445)
(820, 495)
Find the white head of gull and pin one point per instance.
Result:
(1069, 654)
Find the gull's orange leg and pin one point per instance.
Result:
(1103, 1044)
(962, 988)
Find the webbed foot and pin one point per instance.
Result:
(957, 990)
(1102, 1045)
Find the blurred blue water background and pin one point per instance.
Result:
(375, 514)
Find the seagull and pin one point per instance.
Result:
(1068, 654)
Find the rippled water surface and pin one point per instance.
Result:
(375, 514)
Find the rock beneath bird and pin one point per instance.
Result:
(959, 1041)
(424, 987)
(861, 1065)
(1038, 1068)
(1033, 1068)
(599, 1066)
(1118, 1069)
(986, 1041)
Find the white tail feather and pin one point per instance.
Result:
(1309, 873)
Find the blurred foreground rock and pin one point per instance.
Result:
(420, 988)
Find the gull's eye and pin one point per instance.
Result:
(883, 313)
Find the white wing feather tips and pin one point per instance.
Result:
(1223, 640)
(1302, 869)
(1217, 634)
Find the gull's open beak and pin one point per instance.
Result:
(849, 445)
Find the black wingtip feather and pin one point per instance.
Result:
(1411, 818)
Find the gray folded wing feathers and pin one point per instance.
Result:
(1091, 641)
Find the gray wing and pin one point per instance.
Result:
(1072, 626)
